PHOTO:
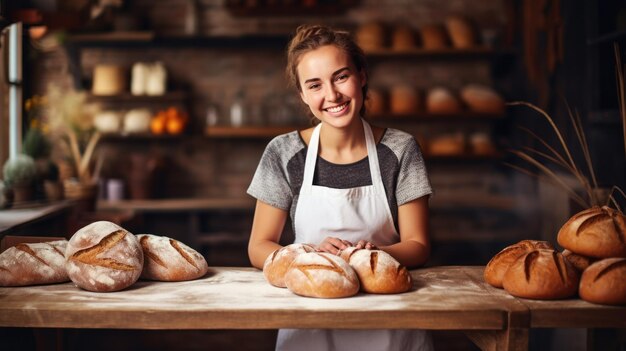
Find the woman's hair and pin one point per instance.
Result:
(311, 37)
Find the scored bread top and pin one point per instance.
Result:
(277, 263)
(168, 259)
(604, 282)
(320, 274)
(497, 266)
(33, 263)
(596, 232)
(103, 256)
(378, 271)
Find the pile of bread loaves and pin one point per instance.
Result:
(306, 272)
(101, 257)
(593, 263)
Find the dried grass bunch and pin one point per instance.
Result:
(593, 196)
(71, 123)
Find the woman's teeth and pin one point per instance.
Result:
(337, 108)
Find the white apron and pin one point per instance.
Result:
(350, 214)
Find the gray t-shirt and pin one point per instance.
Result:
(278, 177)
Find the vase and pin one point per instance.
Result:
(85, 195)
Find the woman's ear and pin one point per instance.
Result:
(363, 78)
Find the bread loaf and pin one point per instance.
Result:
(320, 274)
(403, 39)
(461, 31)
(103, 256)
(169, 260)
(541, 274)
(33, 264)
(404, 100)
(376, 102)
(482, 99)
(371, 36)
(441, 101)
(378, 271)
(278, 262)
(604, 282)
(579, 262)
(596, 232)
(497, 266)
(434, 37)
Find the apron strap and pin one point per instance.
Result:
(311, 159)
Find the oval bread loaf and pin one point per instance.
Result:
(103, 256)
(497, 266)
(596, 232)
(34, 264)
(320, 274)
(276, 264)
(170, 260)
(604, 282)
(541, 274)
(378, 271)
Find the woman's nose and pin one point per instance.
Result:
(332, 94)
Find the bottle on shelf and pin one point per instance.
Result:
(237, 113)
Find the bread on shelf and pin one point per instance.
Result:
(403, 39)
(404, 100)
(434, 37)
(440, 100)
(461, 31)
(482, 99)
(371, 36)
(109, 80)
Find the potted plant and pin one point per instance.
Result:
(19, 174)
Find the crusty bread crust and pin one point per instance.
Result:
(596, 232)
(103, 256)
(276, 264)
(579, 262)
(167, 259)
(34, 264)
(497, 266)
(541, 274)
(320, 274)
(378, 271)
(604, 282)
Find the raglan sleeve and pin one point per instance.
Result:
(413, 181)
(270, 183)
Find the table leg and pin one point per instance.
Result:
(512, 339)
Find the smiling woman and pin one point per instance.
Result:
(344, 183)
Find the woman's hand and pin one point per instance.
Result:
(364, 244)
(333, 245)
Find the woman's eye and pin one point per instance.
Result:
(342, 77)
(313, 86)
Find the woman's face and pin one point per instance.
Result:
(331, 85)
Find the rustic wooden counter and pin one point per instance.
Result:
(450, 298)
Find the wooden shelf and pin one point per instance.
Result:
(171, 97)
(479, 51)
(112, 37)
(247, 131)
(295, 9)
(424, 116)
(140, 137)
(151, 39)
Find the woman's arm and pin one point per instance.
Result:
(267, 227)
(414, 246)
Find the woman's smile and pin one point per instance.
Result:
(338, 109)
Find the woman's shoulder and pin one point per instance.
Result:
(285, 145)
(397, 139)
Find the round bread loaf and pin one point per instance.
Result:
(541, 274)
(441, 101)
(434, 37)
(402, 38)
(278, 262)
(371, 36)
(169, 260)
(376, 102)
(378, 271)
(482, 99)
(596, 232)
(404, 100)
(103, 256)
(579, 262)
(33, 264)
(604, 282)
(320, 274)
(497, 266)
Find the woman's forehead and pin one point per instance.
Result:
(322, 61)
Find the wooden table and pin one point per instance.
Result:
(53, 217)
(443, 298)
